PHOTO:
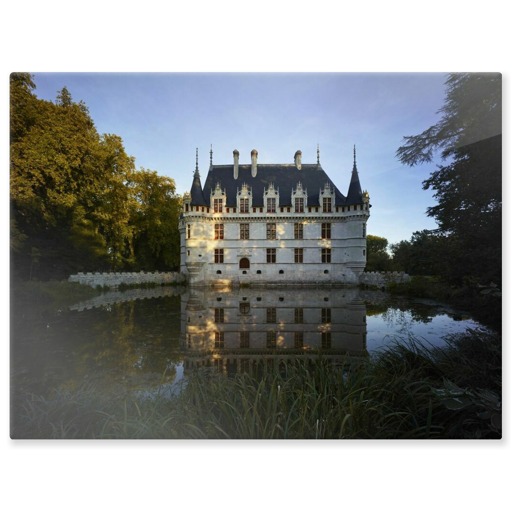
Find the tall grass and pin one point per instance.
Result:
(408, 391)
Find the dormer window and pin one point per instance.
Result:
(244, 199)
(299, 198)
(271, 199)
(327, 198)
(218, 199)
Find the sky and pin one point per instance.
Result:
(163, 117)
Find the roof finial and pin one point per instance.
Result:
(196, 172)
(211, 155)
(355, 166)
(318, 154)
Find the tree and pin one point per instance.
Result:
(424, 254)
(468, 187)
(377, 258)
(155, 217)
(77, 201)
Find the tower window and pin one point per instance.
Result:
(298, 231)
(219, 231)
(271, 231)
(326, 230)
(218, 255)
(326, 255)
(244, 231)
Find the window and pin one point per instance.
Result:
(364, 229)
(271, 255)
(326, 255)
(219, 255)
(244, 339)
(327, 204)
(271, 339)
(326, 230)
(245, 307)
(326, 340)
(271, 231)
(188, 230)
(219, 340)
(298, 231)
(219, 315)
(326, 315)
(271, 205)
(299, 315)
(299, 204)
(299, 255)
(244, 205)
(299, 340)
(244, 231)
(271, 315)
(219, 231)
(217, 205)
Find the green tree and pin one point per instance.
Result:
(77, 200)
(51, 165)
(377, 258)
(156, 210)
(468, 187)
(424, 254)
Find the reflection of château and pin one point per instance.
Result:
(235, 329)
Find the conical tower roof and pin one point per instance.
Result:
(196, 191)
(355, 193)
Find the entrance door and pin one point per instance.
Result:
(245, 263)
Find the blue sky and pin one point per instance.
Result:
(163, 117)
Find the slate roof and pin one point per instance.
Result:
(285, 177)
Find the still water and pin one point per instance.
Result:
(145, 341)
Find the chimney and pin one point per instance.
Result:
(236, 154)
(254, 163)
(298, 159)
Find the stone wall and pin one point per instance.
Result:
(383, 279)
(115, 279)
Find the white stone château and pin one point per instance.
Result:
(273, 223)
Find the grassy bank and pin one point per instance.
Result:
(408, 391)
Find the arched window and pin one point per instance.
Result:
(245, 263)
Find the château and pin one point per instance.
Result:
(265, 223)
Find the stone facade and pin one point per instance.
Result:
(273, 223)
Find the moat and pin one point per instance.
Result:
(146, 341)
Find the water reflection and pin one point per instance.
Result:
(236, 329)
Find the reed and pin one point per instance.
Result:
(407, 391)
